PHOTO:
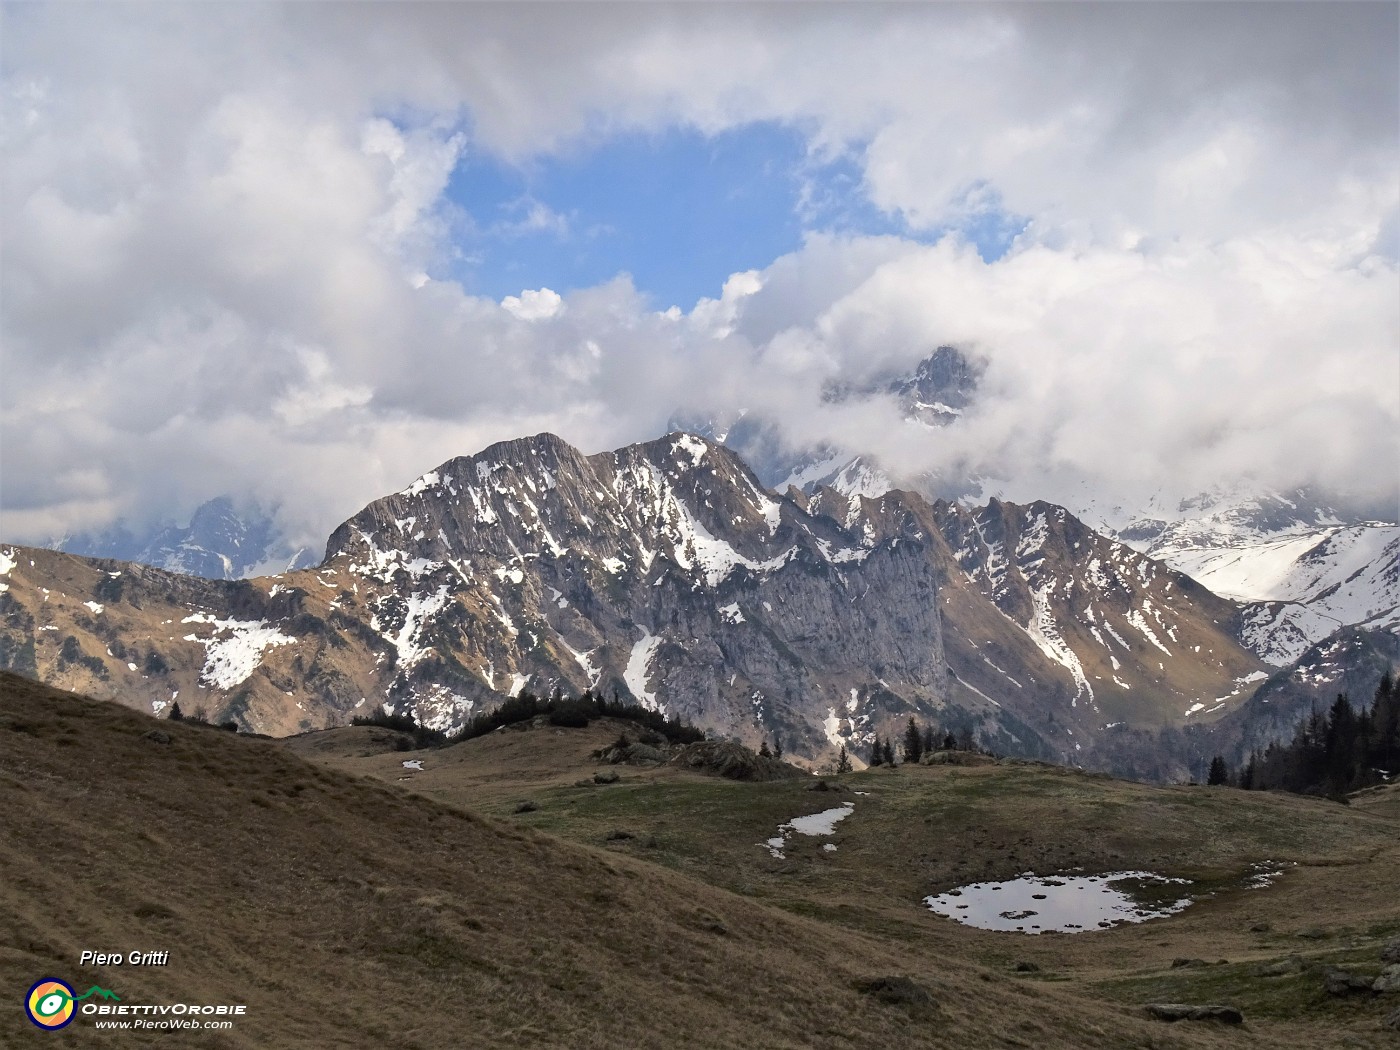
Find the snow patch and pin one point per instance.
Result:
(235, 649)
(639, 670)
(817, 824)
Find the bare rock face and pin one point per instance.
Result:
(667, 573)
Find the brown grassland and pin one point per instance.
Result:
(350, 902)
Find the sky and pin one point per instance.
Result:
(303, 253)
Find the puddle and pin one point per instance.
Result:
(823, 823)
(1060, 903)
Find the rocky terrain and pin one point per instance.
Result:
(663, 571)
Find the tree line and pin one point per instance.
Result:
(1331, 753)
(919, 740)
(561, 710)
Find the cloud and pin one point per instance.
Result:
(227, 247)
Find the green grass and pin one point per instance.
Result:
(1290, 997)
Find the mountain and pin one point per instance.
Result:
(1350, 661)
(665, 571)
(933, 395)
(1305, 569)
(219, 544)
(1308, 570)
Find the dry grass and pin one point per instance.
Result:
(920, 830)
(347, 913)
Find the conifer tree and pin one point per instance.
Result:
(913, 741)
(887, 753)
(1249, 773)
(1219, 772)
(175, 714)
(763, 751)
(877, 753)
(843, 762)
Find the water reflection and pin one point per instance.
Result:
(1062, 903)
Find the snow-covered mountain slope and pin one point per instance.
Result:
(1302, 569)
(219, 544)
(667, 572)
(1140, 643)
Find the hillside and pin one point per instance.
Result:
(1332, 900)
(346, 913)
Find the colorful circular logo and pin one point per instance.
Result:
(50, 1003)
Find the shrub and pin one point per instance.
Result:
(421, 736)
(571, 715)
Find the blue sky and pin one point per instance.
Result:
(679, 210)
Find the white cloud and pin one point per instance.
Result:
(533, 304)
(220, 224)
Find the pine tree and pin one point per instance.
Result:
(950, 742)
(763, 751)
(777, 746)
(913, 741)
(1385, 721)
(877, 753)
(1249, 774)
(1339, 746)
(888, 754)
(1219, 772)
(843, 763)
(175, 713)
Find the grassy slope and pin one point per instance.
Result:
(920, 830)
(347, 913)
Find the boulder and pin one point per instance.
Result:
(607, 776)
(638, 754)
(157, 736)
(734, 762)
(1344, 982)
(1389, 980)
(1391, 952)
(1282, 968)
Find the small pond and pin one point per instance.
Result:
(1062, 903)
